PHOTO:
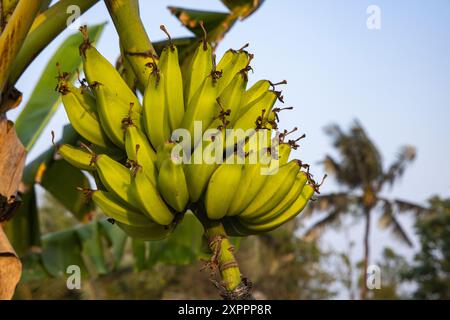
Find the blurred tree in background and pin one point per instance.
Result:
(359, 170)
(431, 265)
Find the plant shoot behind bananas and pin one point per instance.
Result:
(201, 140)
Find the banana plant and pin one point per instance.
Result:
(26, 30)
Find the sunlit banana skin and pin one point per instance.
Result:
(221, 189)
(81, 110)
(236, 227)
(79, 158)
(112, 111)
(113, 208)
(98, 69)
(173, 86)
(148, 198)
(138, 146)
(172, 185)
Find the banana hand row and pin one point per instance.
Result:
(143, 184)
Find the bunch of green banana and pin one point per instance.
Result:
(246, 180)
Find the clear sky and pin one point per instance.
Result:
(395, 80)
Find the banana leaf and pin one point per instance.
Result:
(244, 8)
(61, 180)
(182, 247)
(191, 19)
(61, 250)
(91, 244)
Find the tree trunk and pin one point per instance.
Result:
(12, 161)
(10, 268)
(366, 254)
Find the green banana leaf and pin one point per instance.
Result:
(61, 180)
(98, 248)
(182, 247)
(181, 43)
(116, 239)
(139, 249)
(44, 100)
(91, 244)
(60, 250)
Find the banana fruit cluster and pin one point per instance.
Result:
(143, 185)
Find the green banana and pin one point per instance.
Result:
(137, 145)
(203, 106)
(255, 92)
(115, 177)
(170, 67)
(81, 109)
(151, 232)
(156, 118)
(221, 189)
(113, 208)
(98, 69)
(274, 189)
(231, 96)
(298, 205)
(198, 172)
(229, 67)
(285, 202)
(146, 195)
(76, 157)
(172, 185)
(113, 111)
(200, 67)
(252, 181)
(257, 110)
(164, 152)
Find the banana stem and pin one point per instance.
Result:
(133, 37)
(232, 286)
(44, 29)
(14, 34)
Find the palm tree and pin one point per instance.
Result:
(359, 169)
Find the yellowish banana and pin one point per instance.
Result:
(200, 67)
(76, 157)
(156, 118)
(172, 185)
(170, 67)
(140, 151)
(113, 208)
(98, 69)
(147, 197)
(221, 189)
(275, 188)
(112, 112)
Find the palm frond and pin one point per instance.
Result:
(333, 201)
(388, 220)
(360, 162)
(403, 206)
(332, 166)
(316, 230)
(395, 171)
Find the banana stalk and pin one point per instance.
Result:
(133, 38)
(235, 287)
(44, 29)
(14, 34)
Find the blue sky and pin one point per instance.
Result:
(394, 80)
